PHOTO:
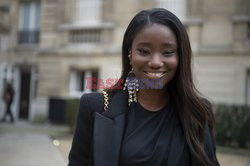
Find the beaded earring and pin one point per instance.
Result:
(132, 85)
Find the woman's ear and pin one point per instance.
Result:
(130, 61)
(130, 57)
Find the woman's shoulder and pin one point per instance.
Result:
(92, 96)
(94, 101)
(96, 96)
(91, 100)
(206, 101)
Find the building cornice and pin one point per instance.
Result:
(240, 18)
(106, 25)
(193, 21)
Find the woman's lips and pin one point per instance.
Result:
(154, 75)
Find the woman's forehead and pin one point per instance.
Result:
(155, 33)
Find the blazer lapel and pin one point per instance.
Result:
(108, 131)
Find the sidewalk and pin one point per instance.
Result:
(233, 157)
(24, 144)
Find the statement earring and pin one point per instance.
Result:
(132, 85)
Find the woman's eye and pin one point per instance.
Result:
(168, 53)
(143, 51)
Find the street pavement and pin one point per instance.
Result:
(23, 144)
(27, 144)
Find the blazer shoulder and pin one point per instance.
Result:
(206, 101)
(92, 96)
(92, 101)
(209, 107)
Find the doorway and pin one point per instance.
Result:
(248, 88)
(25, 73)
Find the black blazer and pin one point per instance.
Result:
(98, 135)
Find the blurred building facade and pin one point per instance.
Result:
(49, 47)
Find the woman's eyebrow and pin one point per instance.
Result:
(144, 44)
(166, 44)
(169, 44)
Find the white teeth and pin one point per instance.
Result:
(155, 75)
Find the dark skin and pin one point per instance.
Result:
(154, 56)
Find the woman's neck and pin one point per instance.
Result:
(153, 100)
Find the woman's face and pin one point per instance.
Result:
(154, 53)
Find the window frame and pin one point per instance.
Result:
(29, 22)
(78, 81)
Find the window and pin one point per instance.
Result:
(246, 7)
(5, 18)
(242, 7)
(178, 7)
(87, 12)
(29, 22)
(79, 81)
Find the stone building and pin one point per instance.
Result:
(49, 47)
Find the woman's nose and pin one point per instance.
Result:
(155, 61)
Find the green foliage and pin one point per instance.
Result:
(233, 125)
(71, 110)
(40, 119)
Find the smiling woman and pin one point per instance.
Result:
(171, 125)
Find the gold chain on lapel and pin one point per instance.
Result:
(106, 100)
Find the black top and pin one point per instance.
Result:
(148, 137)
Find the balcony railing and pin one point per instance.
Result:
(85, 36)
(29, 37)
